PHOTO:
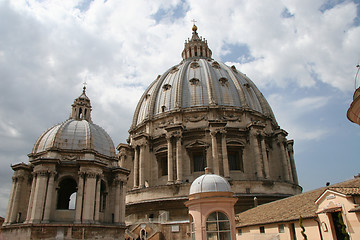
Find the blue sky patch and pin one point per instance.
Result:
(171, 14)
(286, 13)
(237, 53)
(329, 4)
(84, 5)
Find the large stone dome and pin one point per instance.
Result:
(78, 133)
(200, 82)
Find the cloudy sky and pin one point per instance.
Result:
(300, 53)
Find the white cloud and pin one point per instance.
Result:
(290, 112)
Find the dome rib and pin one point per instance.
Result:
(179, 89)
(237, 84)
(139, 106)
(209, 81)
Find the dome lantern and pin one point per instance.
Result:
(196, 47)
(81, 108)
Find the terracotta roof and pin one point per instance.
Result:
(347, 190)
(291, 208)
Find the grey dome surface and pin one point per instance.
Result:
(209, 183)
(75, 135)
(197, 83)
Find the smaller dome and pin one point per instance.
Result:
(75, 135)
(209, 183)
(78, 133)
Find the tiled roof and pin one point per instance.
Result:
(290, 208)
(347, 190)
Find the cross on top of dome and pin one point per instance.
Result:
(194, 28)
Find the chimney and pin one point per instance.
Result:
(255, 202)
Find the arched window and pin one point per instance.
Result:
(66, 189)
(80, 113)
(143, 234)
(218, 227)
(192, 228)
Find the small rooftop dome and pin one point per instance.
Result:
(209, 183)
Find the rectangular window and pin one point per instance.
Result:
(262, 229)
(235, 160)
(281, 228)
(198, 161)
(163, 165)
(239, 232)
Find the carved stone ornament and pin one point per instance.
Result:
(194, 81)
(42, 173)
(174, 70)
(195, 118)
(194, 65)
(215, 65)
(166, 87)
(223, 81)
(231, 117)
(91, 174)
(69, 158)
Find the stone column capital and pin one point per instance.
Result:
(213, 132)
(168, 136)
(177, 134)
(14, 179)
(91, 175)
(81, 174)
(42, 173)
(223, 132)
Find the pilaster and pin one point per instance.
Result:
(80, 197)
(225, 154)
(49, 197)
(170, 159)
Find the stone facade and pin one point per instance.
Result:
(72, 187)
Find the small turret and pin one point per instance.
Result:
(81, 108)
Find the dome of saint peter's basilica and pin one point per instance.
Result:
(202, 113)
